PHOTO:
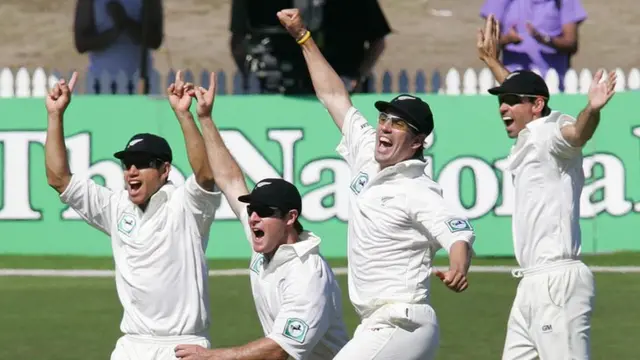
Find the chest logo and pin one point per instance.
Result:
(256, 265)
(359, 182)
(127, 223)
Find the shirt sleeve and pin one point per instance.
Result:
(305, 309)
(202, 204)
(495, 7)
(558, 146)
(432, 212)
(358, 139)
(94, 203)
(572, 11)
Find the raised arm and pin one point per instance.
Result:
(488, 44)
(93, 202)
(55, 151)
(180, 100)
(226, 170)
(600, 93)
(328, 85)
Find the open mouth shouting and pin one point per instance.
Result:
(384, 144)
(134, 187)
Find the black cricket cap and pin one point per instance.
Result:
(275, 192)
(522, 82)
(411, 108)
(147, 144)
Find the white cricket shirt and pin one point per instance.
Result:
(298, 299)
(548, 179)
(398, 219)
(160, 266)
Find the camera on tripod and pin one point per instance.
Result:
(270, 68)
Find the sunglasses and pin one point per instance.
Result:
(515, 99)
(141, 163)
(397, 123)
(264, 211)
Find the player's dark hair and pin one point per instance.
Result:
(298, 227)
(419, 154)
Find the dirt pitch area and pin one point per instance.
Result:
(38, 33)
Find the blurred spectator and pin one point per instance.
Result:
(117, 35)
(537, 33)
(354, 39)
(260, 45)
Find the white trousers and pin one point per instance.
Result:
(393, 332)
(551, 315)
(136, 347)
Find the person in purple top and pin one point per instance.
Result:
(540, 34)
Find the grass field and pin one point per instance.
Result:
(56, 318)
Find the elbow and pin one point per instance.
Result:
(574, 48)
(332, 96)
(155, 44)
(155, 41)
(379, 46)
(81, 45)
(579, 141)
(58, 182)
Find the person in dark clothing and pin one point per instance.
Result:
(354, 39)
(117, 35)
(260, 45)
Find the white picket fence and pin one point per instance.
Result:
(472, 83)
(24, 84)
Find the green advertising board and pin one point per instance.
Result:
(295, 138)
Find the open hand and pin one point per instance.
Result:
(488, 40)
(206, 97)
(292, 21)
(542, 39)
(180, 94)
(59, 96)
(600, 91)
(512, 36)
(191, 352)
(453, 279)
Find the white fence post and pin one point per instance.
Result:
(20, 83)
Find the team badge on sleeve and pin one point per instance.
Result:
(458, 225)
(295, 329)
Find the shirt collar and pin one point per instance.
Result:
(552, 117)
(160, 197)
(409, 168)
(308, 243)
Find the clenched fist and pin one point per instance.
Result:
(292, 21)
(59, 96)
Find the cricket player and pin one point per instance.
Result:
(296, 295)
(159, 231)
(551, 314)
(398, 218)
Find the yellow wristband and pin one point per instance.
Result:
(304, 38)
